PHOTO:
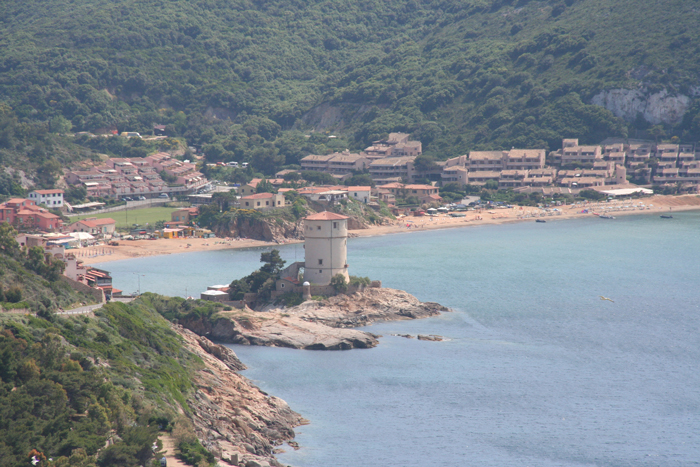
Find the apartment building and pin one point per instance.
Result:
(486, 161)
(392, 169)
(576, 154)
(337, 163)
(524, 159)
(396, 145)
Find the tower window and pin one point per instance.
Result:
(320, 271)
(335, 225)
(318, 227)
(320, 261)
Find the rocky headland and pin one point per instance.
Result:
(234, 419)
(315, 325)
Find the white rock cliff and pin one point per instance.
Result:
(660, 107)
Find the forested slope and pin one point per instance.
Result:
(459, 75)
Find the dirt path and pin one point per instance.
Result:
(170, 449)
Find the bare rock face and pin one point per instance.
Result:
(269, 230)
(660, 107)
(233, 418)
(357, 223)
(316, 325)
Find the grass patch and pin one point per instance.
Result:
(127, 218)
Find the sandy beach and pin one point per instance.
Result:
(129, 249)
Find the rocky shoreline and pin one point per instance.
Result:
(315, 325)
(235, 420)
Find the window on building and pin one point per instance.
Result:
(335, 225)
(320, 261)
(318, 227)
(320, 271)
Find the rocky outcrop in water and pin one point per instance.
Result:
(316, 325)
(234, 419)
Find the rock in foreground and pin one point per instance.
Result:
(234, 419)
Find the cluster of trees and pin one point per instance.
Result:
(32, 277)
(262, 281)
(245, 82)
(59, 404)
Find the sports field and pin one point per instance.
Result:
(127, 218)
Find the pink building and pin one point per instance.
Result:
(24, 214)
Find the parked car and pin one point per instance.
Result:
(232, 164)
(142, 198)
(126, 198)
(163, 195)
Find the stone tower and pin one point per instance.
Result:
(326, 247)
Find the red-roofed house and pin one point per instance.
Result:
(94, 226)
(249, 188)
(24, 214)
(184, 215)
(359, 193)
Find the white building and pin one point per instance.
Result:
(50, 198)
(326, 247)
(360, 193)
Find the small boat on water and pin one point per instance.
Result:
(540, 220)
(602, 216)
(667, 217)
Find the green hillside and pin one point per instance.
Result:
(30, 280)
(459, 75)
(87, 391)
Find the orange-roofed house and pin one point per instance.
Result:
(184, 215)
(249, 188)
(360, 193)
(94, 226)
(262, 201)
(24, 215)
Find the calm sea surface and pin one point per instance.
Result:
(537, 371)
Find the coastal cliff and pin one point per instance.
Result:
(267, 229)
(274, 229)
(314, 325)
(234, 419)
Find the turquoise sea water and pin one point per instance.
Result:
(538, 370)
